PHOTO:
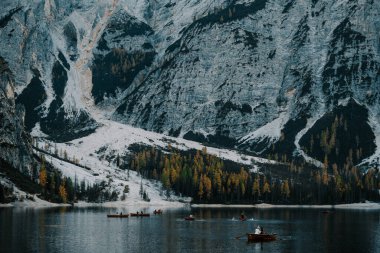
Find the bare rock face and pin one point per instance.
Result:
(15, 146)
(256, 75)
(265, 76)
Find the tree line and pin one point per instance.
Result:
(209, 179)
(339, 140)
(60, 189)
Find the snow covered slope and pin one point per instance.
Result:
(97, 154)
(112, 139)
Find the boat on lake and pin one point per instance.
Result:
(252, 237)
(117, 215)
(189, 218)
(159, 211)
(139, 214)
(243, 218)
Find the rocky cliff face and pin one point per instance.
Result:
(254, 75)
(15, 146)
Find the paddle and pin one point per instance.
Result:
(238, 237)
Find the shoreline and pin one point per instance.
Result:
(352, 206)
(32, 204)
(39, 203)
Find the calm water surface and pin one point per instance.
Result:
(89, 230)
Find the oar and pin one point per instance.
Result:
(238, 237)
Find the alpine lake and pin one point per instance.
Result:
(76, 229)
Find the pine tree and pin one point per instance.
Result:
(325, 176)
(256, 187)
(62, 192)
(285, 190)
(173, 176)
(126, 189)
(141, 192)
(200, 188)
(145, 196)
(118, 160)
(35, 173)
(339, 185)
(195, 177)
(82, 187)
(207, 186)
(165, 179)
(52, 183)
(43, 174)
(266, 189)
(218, 181)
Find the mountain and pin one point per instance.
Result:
(282, 79)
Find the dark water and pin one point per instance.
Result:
(89, 230)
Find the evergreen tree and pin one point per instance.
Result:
(200, 188)
(62, 192)
(43, 174)
(52, 182)
(141, 192)
(126, 189)
(207, 186)
(256, 188)
(285, 190)
(266, 189)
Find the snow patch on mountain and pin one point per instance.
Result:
(115, 138)
(271, 130)
(299, 150)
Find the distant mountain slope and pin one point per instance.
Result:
(261, 76)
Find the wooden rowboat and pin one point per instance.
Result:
(139, 214)
(261, 237)
(117, 215)
(190, 218)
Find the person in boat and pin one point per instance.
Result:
(191, 216)
(242, 216)
(121, 213)
(258, 230)
(137, 213)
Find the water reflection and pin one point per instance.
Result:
(214, 230)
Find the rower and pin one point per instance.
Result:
(258, 230)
